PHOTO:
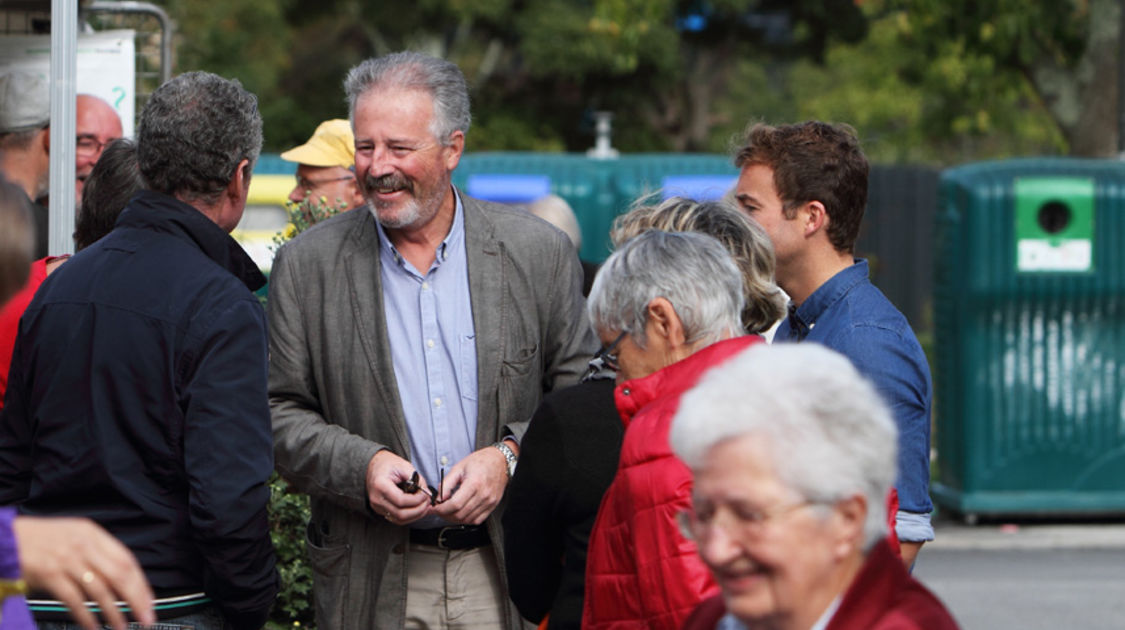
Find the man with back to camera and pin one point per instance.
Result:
(326, 168)
(806, 184)
(137, 394)
(409, 345)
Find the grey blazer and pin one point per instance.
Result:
(334, 397)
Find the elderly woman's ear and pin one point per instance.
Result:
(665, 323)
(848, 518)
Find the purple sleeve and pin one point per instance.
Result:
(15, 615)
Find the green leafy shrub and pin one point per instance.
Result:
(288, 514)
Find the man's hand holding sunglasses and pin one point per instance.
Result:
(474, 486)
(395, 490)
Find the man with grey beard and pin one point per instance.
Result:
(409, 345)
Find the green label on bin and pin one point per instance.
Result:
(1054, 224)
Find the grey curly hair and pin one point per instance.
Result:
(194, 130)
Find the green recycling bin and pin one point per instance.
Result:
(1029, 314)
(584, 183)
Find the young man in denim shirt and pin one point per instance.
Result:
(806, 184)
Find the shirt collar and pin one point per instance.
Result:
(802, 318)
(454, 238)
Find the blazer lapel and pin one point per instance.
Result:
(486, 282)
(365, 293)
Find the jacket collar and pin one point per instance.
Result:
(675, 379)
(154, 211)
(873, 590)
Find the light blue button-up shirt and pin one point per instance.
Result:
(434, 352)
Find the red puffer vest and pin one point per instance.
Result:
(640, 571)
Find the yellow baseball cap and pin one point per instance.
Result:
(332, 144)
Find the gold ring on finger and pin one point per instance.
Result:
(88, 577)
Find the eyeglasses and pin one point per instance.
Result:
(746, 523)
(89, 146)
(310, 184)
(605, 359)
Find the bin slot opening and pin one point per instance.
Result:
(1054, 216)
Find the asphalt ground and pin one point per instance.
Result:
(1028, 575)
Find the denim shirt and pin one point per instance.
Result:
(851, 316)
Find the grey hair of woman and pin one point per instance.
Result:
(693, 271)
(113, 181)
(194, 130)
(441, 79)
(17, 239)
(746, 241)
(830, 433)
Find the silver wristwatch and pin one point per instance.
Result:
(509, 456)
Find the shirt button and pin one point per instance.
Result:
(625, 391)
(444, 460)
(425, 285)
(437, 402)
(429, 343)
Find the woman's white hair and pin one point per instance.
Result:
(692, 271)
(830, 433)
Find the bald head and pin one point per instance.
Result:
(96, 124)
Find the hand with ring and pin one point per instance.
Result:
(77, 561)
(395, 489)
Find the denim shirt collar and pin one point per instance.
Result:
(802, 318)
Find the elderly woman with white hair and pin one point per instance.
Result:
(667, 307)
(793, 454)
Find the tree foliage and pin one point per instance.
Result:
(537, 69)
(923, 80)
(1062, 53)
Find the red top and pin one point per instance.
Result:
(882, 596)
(641, 572)
(10, 318)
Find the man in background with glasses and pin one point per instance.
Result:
(326, 170)
(96, 124)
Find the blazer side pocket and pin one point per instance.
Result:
(330, 563)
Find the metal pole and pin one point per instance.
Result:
(64, 49)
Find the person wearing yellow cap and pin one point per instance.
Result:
(326, 167)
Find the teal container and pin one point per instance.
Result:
(584, 183)
(702, 177)
(1029, 314)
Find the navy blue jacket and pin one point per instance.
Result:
(137, 398)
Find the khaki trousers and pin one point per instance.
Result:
(453, 590)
